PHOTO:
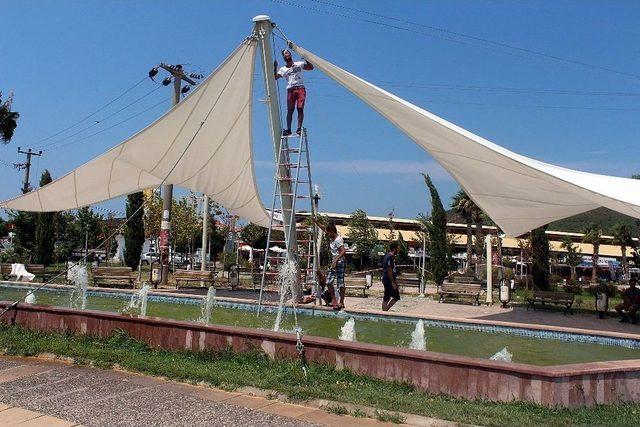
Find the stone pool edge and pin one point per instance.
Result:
(365, 312)
(573, 385)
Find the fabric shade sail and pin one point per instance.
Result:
(203, 144)
(517, 192)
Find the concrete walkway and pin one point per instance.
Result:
(37, 392)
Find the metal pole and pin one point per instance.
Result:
(205, 232)
(487, 241)
(167, 197)
(423, 282)
(262, 31)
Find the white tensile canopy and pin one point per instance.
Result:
(517, 192)
(203, 144)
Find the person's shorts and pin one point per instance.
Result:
(390, 293)
(296, 97)
(337, 275)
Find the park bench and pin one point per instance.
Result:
(194, 276)
(471, 289)
(37, 269)
(408, 282)
(550, 297)
(360, 284)
(113, 276)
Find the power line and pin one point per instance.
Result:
(110, 127)
(487, 104)
(512, 48)
(93, 113)
(97, 122)
(497, 89)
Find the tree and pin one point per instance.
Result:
(465, 207)
(573, 257)
(8, 120)
(592, 235)
(134, 230)
(45, 230)
(88, 225)
(363, 235)
(185, 225)
(254, 235)
(437, 229)
(622, 237)
(403, 251)
(540, 258)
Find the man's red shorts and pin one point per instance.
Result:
(296, 97)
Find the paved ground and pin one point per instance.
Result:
(48, 393)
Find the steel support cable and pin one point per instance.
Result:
(95, 112)
(124, 223)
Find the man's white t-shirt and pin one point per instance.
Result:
(335, 245)
(293, 74)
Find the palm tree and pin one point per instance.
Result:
(8, 120)
(622, 238)
(592, 235)
(464, 207)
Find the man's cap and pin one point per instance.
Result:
(285, 50)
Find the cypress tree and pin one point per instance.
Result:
(134, 230)
(45, 230)
(540, 258)
(437, 229)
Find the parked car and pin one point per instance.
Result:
(148, 257)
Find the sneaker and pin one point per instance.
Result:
(298, 131)
(286, 132)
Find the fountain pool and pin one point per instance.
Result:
(535, 347)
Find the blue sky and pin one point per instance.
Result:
(65, 59)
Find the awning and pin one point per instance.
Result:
(517, 192)
(203, 144)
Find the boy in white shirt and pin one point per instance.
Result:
(296, 92)
(338, 264)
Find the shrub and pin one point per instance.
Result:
(612, 290)
(572, 288)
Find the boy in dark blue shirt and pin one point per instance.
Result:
(391, 292)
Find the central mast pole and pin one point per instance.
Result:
(262, 31)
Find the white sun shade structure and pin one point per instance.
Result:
(517, 192)
(203, 144)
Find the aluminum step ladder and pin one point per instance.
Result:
(294, 185)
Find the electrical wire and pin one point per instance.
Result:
(95, 112)
(97, 122)
(496, 89)
(124, 223)
(488, 104)
(497, 44)
(112, 126)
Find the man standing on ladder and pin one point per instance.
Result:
(296, 92)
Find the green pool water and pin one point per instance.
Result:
(535, 351)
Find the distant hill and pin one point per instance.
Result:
(606, 218)
(576, 224)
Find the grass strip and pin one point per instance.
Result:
(230, 370)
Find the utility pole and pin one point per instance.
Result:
(177, 76)
(26, 187)
(262, 31)
(205, 233)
